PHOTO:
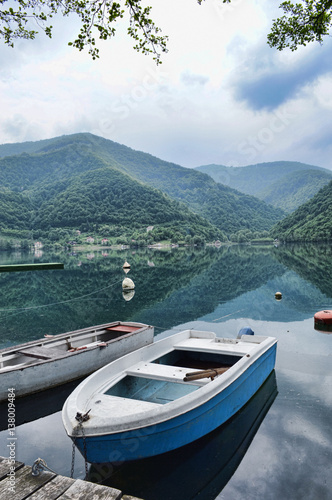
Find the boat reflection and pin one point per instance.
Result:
(37, 405)
(198, 470)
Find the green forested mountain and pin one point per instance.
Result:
(23, 147)
(312, 221)
(81, 180)
(283, 184)
(15, 210)
(107, 197)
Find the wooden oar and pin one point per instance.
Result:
(210, 373)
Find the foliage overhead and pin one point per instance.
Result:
(302, 22)
(98, 19)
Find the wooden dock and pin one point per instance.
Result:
(10, 268)
(18, 483)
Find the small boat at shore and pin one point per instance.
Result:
(56, 359)
(165, 395)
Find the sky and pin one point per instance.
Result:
(221, 96)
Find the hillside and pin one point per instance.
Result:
(17, 148)
(15, 210)
(90, 200)
(310, 222)
(89, 170)
(286, 185)
(107, 197)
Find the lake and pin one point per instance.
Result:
(277, 446)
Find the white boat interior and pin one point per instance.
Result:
(162, 380)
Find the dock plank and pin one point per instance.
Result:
(25, 484)
(53, 489)
(31, 267)
(90, 491)
(5, 467)
(50, 486)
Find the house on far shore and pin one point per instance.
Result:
(149, 228)
(90, 239)
(104, 241)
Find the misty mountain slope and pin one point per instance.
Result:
(296, 188)
(283, 184)
(312, 221)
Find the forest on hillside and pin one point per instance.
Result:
(65, 189)
(312, 221)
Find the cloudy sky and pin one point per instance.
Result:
(221, 95)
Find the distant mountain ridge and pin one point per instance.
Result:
(99, 177)
(283, 184)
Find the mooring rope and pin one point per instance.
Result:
(23, 309)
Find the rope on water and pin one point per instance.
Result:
(23, 309)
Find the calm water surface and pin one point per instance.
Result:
(278, 446)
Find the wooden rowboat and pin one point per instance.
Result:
(55, 360)
(153, 400)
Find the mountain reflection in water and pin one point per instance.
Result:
(214, 289)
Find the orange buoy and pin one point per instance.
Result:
(323, 321)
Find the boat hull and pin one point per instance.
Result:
(50, 373)
(183, 429)
(211, 460)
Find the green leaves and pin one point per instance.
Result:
(143, 31)
(98, 20)
(302, 23)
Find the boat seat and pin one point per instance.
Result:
(123, 328)
(164, 372)
(217, 346)
(43, 352)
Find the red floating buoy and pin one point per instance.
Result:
(323, 321)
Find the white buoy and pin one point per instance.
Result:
(128, 294)
(128, 284)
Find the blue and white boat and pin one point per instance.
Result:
(165, 395)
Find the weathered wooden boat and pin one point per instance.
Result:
(165, 395)
(55, 360)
